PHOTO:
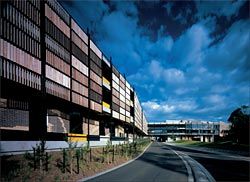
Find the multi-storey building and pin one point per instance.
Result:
(188, 130)
(55, 81)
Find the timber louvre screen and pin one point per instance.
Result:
(68, 73)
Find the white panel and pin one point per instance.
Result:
(106, 60)
(79, 31)
(122, 78)
(115, 114)
(128, 102)
(122, 98)
(122, 117)
(127, 113)
(106, 109)
(127, 96)
(80, 66)
(57, 76)
(131, 119)
(122, 111)
(95, 49)
(115, 85)
(115, 78)
(122, 91)
(127, 90)
(131, 103)
(128, 85)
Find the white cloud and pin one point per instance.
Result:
(172, 106)
(188, 48)
(214, 99)
(173, 76)
(155, 69)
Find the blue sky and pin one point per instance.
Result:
(185, 59)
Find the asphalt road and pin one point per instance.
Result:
(222, 166)
(156, 164)
(159, 163)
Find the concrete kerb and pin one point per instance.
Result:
(115, 168)
(189, 170)
(199, 172)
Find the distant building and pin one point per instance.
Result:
(204, 131)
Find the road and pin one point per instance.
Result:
(160, 162)
(222, 166)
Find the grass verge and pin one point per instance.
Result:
(227, 145)
(19, 168)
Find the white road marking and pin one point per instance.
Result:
(200, 172)
(189, 170)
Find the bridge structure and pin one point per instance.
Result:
(204, 131)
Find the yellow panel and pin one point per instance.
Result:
(105, 80)
(77, 139)
(106, 105)
(76, 134)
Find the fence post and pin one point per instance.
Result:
(46, 161)
(90, 155)
(34, 153)
(77, 162)
(64, 160)
(113, 154)
(122, 150)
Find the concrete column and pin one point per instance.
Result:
(201, 138)
(212, 139)
(207, 139)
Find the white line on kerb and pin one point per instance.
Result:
(189, 170)
(193, 165)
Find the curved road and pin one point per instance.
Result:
(160, 162)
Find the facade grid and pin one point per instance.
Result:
(83, 91)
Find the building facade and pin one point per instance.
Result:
(204, 131)
(56, 82)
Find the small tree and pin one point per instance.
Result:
(71, 148)
(240, 119)
(108, 148)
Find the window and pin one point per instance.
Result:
(57, 90)
(79, 88)
(95, 58)
(78, 99)
(97, 88)
(79, 43)
(57, 76)
(95, 96)
(58, 63)
(79, 77)
(95, 68)
(57, 20)
(79, 31)
(95, 77)
(80, 66)
(79, 54)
